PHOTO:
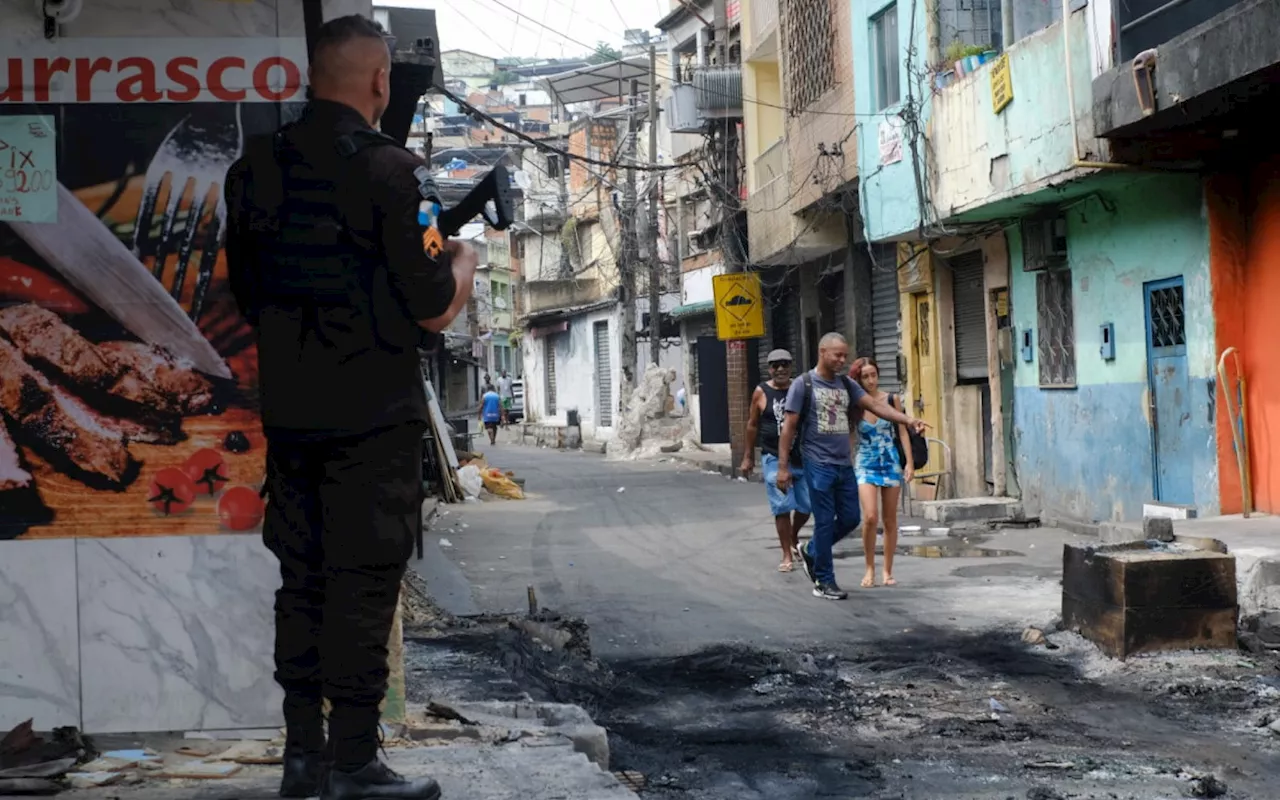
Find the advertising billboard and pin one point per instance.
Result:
(128, 379)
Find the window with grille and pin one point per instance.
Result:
(884, 54)
(973, 22)
(1168, 321)
(809, 34)
(1056, 329)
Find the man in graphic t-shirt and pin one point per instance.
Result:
(820, 409)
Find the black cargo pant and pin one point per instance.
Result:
(341, 517)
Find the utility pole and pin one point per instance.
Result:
(566, 266)
(727, 149)
(630, 252)
(655, 264)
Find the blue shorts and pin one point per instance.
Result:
(795, 499)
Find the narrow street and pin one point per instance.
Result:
(718, 677)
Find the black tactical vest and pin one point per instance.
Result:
(337, 354)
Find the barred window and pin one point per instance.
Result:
(809, 36)
(1056, 321)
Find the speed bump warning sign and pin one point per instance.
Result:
(739, 306)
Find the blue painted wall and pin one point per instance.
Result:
(1086, 453)
(889, 199)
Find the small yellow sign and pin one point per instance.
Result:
(739, 306)
(1001, 84)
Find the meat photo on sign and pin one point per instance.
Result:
(128, 379)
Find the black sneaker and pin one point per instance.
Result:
(806, 560)
(377, 781)
(829, 591)
(302, 773)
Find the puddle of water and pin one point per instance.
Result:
(952, 547)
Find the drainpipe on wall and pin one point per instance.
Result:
(1071, 100)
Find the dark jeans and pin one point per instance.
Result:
(341, 517)
(833, 493)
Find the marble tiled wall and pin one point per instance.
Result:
(39, 641)
(138, 633)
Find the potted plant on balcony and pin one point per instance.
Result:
(967, 58)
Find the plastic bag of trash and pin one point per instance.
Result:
(471, 479)
(501, 485)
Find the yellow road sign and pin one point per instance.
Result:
(739, 306)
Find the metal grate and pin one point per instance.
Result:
(1168, 321)
(604, 376)
(810, 50)
(1056, 329)
(969, 316)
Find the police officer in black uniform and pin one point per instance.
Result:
(329, 263)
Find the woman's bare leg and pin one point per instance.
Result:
(889, 496)
(869, 496)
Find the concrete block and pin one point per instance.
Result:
(1159, 529)
(970, 509)
(1120, 532)
(1135, 598)
(1168, 511)
(593, 447)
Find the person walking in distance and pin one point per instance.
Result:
(507, 394)
(332, 269)
(879, 471)
(491, 412)
(821, 410)
(790, 508)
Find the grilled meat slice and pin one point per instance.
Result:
(148, 431)
(185, 390)
(44, 338)
(61, 430)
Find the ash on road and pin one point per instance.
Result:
(720, 678)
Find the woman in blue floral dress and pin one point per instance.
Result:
(880, 472)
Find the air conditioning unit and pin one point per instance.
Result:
(1044, 242)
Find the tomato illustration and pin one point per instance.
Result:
(172, 491)
(207, 470)
(240, 508)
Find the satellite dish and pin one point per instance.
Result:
(521, 179)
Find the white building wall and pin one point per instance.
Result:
(575, 374)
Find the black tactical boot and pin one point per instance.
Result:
(303, 773)
(304, 746)
(377, 781)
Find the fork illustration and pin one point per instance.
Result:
(194, 156)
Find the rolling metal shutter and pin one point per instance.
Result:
(604, 377)
(970, 316)
(884, 318)
(549, 359)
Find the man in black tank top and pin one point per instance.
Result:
(791, 507)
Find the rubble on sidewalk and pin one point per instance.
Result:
(645, 427)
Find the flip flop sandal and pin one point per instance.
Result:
(786, 567)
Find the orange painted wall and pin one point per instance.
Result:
(1244, 251)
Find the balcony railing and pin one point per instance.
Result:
(764, 15)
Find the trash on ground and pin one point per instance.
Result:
(500, 484)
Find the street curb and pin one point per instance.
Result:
(710, 466)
